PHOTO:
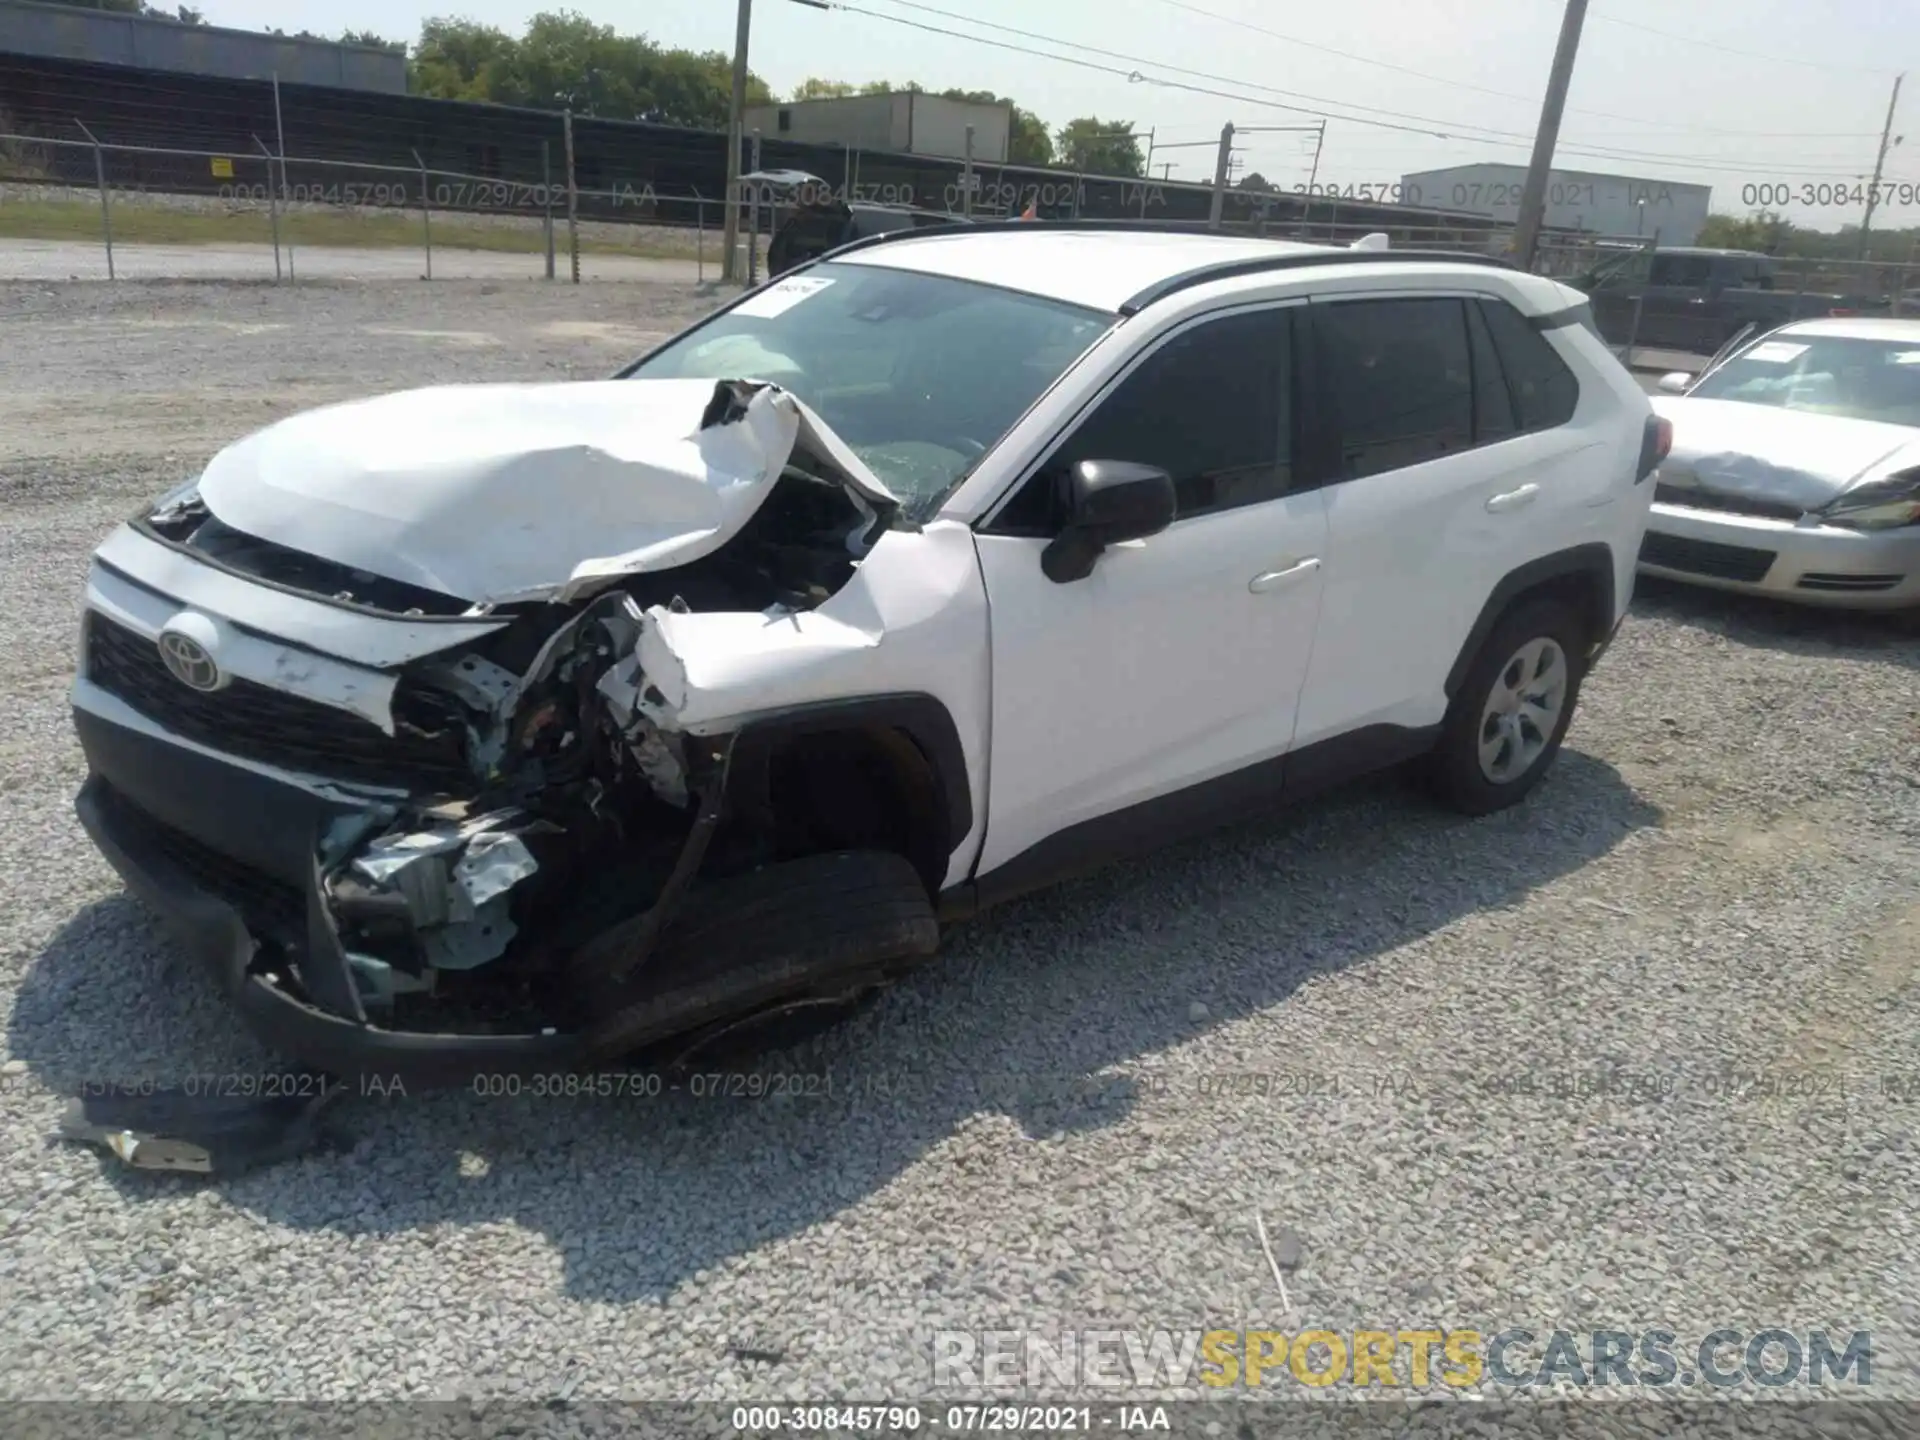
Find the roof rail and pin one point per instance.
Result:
(1289, 259)
(1260, 264)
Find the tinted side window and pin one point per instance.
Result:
(1212, 407)
(1545, 391)
(1492, 399)
(1692, 271)
(1401, 378)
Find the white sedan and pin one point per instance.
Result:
(1795, 468)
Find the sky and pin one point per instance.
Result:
(1761, 99)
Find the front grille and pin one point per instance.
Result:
(1849, 582)
(1703, 557)
(1725, 504)
(256, 722)
(271, 908)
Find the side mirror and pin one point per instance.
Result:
(1108, 502)
(1675, 382)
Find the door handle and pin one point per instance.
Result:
(1273, 579)
(1513, 499)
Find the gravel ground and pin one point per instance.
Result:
(1719, 877)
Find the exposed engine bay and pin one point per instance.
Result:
(523, 869)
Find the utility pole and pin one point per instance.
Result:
(1879, 164)
(1220, 167)
(736, 126)
(1533, 198)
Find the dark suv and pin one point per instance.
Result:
(814, 229)
(1696, 299)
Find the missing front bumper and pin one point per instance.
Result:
(340, 1044)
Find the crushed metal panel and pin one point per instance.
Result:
(1788, 457)
(705, 669)
(492, 492)
(493, 863)
(454, 880)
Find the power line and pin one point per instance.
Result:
(1427, 126)
(1486, 90)
(1734, 50)
(1479, 134)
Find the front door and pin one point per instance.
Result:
(1180, 658)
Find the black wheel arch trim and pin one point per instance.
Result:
(1592, 562)
(923, 718)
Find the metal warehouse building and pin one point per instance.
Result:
(1576, 199)
(907, 122)
(70, 32)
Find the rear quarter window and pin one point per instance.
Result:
(1545, 390)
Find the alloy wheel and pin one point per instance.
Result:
(1523, 710)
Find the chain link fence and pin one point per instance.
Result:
(159, 195)
(274, 211)
(569, 217)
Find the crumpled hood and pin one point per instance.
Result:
(494, 492)
(1791, 457)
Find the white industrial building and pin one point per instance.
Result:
(1576, 200)
(906, 121)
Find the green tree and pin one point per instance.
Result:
(687, 87)
(1031, 142)
(1100, 147)
(566, 61)
(814, 88)
(460, 60)
(1763, 231)
(368, 37)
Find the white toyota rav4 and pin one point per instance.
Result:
(512, 727)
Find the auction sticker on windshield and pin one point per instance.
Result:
(1776, 352)
(780, 298)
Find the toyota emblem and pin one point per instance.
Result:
(189, 661)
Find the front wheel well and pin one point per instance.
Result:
(858, 787)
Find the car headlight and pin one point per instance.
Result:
(1878, 505)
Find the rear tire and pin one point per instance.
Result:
(1505, 725)
(828, 929)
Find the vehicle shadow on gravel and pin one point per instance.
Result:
(1026, 1015)
(1777, 625)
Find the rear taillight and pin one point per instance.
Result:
(1656, 443)
(1843, 313)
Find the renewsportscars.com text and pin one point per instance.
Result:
(1395, 1358)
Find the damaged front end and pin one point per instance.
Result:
(499, 906)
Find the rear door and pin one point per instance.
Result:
(1443, 473)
